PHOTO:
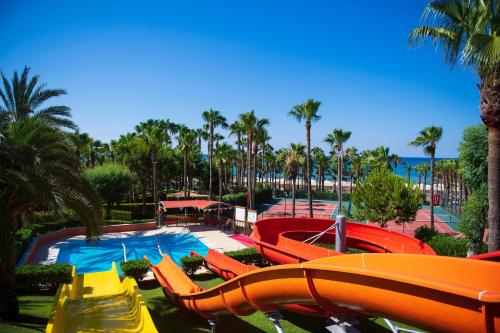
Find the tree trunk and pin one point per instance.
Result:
(339, 172)
(210, 146)
(294, 179)
(425, 184)
(9, 306)
(185, 174)
(249, 171)
(432, 191)
(494, 188)
(308, 167)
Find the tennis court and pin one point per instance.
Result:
(423, 218)
(284, 209)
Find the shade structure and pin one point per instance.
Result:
(197, 204)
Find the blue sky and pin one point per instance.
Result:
(123, 62)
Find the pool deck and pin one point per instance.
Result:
(212, 238)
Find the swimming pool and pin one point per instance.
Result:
(96, 256)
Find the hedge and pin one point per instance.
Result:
(135, 209)
(42, 277)
(317, 195)
(191, 264)
(262, 195)
(121, 214)
(445, 245)
(248, 256)
(425, 233)
(136, 269)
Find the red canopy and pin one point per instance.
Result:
(199, 204)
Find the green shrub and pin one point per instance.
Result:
(121, 215)
(262, 195)
(42, 277)
(445, 245)
(135, 209)
(136, 269)
(23, 239)
(425, 233)
(191, 264)
(248, 256)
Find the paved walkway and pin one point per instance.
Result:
(212, 238)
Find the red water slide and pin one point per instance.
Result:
(281, 239)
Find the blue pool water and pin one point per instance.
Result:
(96, 256)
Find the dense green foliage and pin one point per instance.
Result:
(191, 264)
(137, 210)
(124, 215)
(136, 269)
(425, 233)
(42, 277)
(248, 256)
(473, 156)
(383, 196)
(445, 245)
(112, 181)
(262, 195)
(475, 218)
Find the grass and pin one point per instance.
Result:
(35, 311)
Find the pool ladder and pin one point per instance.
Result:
(124, 252)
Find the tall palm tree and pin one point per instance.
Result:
(37, 169)
(248, 121)
(293, 159)
(214, 119)
(395, 159)
(153, 134)
(318, 156)
(261, 136)
(307, 111)
(186, 143)
(428, 139)
(425, 169)
(336, 139)
(408, 172)
(469, 31)
(236, 128)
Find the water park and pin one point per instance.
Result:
(197, 187)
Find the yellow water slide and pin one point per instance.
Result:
(99, 302)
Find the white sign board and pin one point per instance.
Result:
(239, 213)
(252, 216)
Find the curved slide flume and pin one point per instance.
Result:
(229, 268)
(440, 294)
(281, 239)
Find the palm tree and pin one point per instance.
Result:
(307, 111)
(214, 119)
(395, 159)
(37, 169)
(408, 172)
(236, 128)
(153, 134)
(468, 30)
(425, 169)
(428, 139)
(260, 136)
(186, 143)
(293, 159)
(248, 122)
(336, 139)
(318, 155)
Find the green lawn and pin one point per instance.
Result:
(35, 311)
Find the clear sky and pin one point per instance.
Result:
(123, 62)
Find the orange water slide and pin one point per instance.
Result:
(439, 294)
(281, 239)
(229, 268)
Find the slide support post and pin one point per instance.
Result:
(340, 234)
